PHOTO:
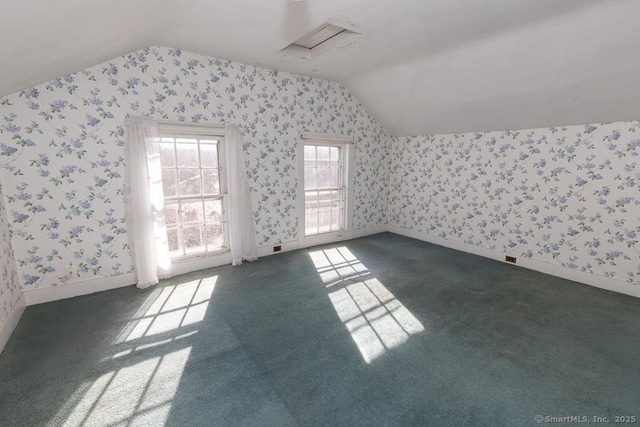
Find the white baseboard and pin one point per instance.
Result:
(292, 245)
(84, 287)
(75, 289)
(8, 325)
(325, 239)
(602, 282)
(369, 231)
(70, 290)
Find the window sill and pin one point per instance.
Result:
(200, 262)
(193, 257)
(324, 238)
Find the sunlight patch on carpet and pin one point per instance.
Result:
(138, 380)
(374, 317)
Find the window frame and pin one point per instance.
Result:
(346, 157)
(201, 133)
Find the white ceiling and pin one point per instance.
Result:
(420, 66)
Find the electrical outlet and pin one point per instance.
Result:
(277, 248)
(510, 259)
(71, 272)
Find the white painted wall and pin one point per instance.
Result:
(571, 68)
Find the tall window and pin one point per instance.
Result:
(324, 188)
(194, 194)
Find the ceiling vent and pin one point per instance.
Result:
(320, 40)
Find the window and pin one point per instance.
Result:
(194, 194)
(325, 187)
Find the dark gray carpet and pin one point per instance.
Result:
(382, 330)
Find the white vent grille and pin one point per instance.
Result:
(319, 36)
(321, 39)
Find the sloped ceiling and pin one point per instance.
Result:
(420, 66)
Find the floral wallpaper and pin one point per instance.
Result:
(10, 288)
(568, 196)
(62, 152)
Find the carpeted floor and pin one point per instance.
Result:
(382, 330)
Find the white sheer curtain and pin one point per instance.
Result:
(242, 235)
(145, 203)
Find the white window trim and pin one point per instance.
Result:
(346, 143)
(205, 260)
(191, 129)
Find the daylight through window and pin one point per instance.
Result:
(194, 194)
(324, 189)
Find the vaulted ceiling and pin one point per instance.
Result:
(420, 66)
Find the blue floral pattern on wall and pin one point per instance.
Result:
(62, 152)
(10, 288)
(566, 196)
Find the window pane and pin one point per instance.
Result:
(309, 178)
(323, 177)
(209, 155)
(189, 182)
(192, 213)
(336, 198)
(187, 155)
(311, 200)
(333, 180)
(193, 242)
(324, 221)
(323, 169)
(309, 155)
(174, 242)
(335, 156)
(171, 214)
(210, 181)
(191, 168)
(167, 155)
(213, 211)
(169, 183)
(215, 239)
(323, 154)
(324, 201)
